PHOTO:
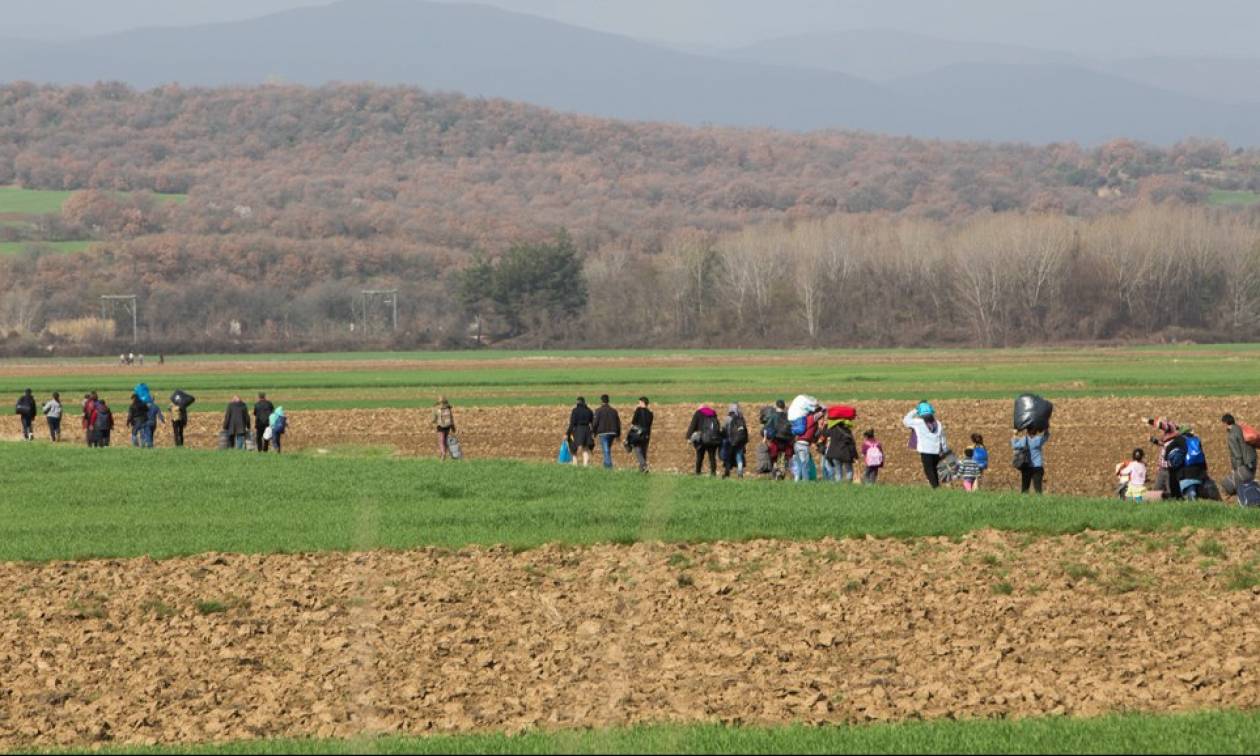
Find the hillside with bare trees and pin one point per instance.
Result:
(299, 198)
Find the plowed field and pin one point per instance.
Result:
(1090, 435)
(224, 647)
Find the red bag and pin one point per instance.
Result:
(1251, 437)
(841, 412)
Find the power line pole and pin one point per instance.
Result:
(109, 305)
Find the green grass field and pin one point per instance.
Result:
(413, 379)
(1233, 198)
(18, 200)
(72, 502)
(1207, 732)
(14, 248)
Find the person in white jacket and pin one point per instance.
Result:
(929, 439)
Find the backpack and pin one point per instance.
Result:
(1194, 451)
(279, 425)
(446, 418)
(1251, 436)
(24, 406)
(781, 429)
(104, 419)
(710, 431)
(980, 456)
(799, 426)
(764, 462)
(1249, 494)
(737, 431)
(874, 456)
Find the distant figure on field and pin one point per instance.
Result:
(640, 435)
(236, 423)
(607, 428)
(279, 423)
(140, 360)
(1031, 445)
(102, 423)
(580, 436)
(705, 434)
(179, 421)
(872, 457)
(735, 442)
(927, 437)
(25, 409)
(444, 424)
(1242, 456)
(152, 416)
(137, 412)
(262, 420)
(52, 413)
(89, 417)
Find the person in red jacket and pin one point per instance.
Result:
(89, 418)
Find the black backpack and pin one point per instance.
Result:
(104, 419)
(710, 431)
(782, 429)
(737, 431)
(24, 406)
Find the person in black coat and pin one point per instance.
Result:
(262, 419)
(26, 408)
(137, 415)
(640, 434)
(580, 436)
(236, 423)
(607, 428)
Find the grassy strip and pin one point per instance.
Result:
(13, 248)
(1205, 732)
(72, 502)
(533, 378)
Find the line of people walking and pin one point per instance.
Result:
(144, 416)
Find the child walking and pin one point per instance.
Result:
(872, 457)
(969, 470)
(1135, 473)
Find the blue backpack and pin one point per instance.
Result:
(1194, 451)
(278, 425)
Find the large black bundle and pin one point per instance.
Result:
(182, 399)
(1032, 413)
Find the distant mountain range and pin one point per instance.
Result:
(883, 82)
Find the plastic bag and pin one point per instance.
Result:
(565, 456)
(801, 406)
(142, 391)
(452, 445)
(1032, 413)
(181, 398)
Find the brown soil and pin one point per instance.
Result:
(766, 632)
(1090, 435)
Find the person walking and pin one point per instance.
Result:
(102, 423)
(928, 439)
(1242, 456)
(89, 418)
(52, 414)
(136, 414)
(444, 426)
(705, 434)
(735, 436)
(26, 409)
(841, 451)
(640, 435)
(262, 420)
(607, 428)
(872, 458)
(179, 421)
(1029, 449)
(153, 415)
(579, 435)
(236, 423)
(279, 423)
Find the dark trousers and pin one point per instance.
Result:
(1174, 484)
(1031, 476)
(54, 428)
(930, 461)
(260, 444)
(711, 451)
(27, 433)
(177, 428)
(641, 454)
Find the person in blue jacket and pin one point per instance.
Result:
(1033, 471)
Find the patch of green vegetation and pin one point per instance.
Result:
(211, 607)
(1077, 571)
(72, 502)
(1243, 577)
(61, 247)
(1233, 198)
(1003, 589)
(157, 608)
(1210, 547)
(1202, 732)
(16, 200)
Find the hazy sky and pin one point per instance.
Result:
(1107, 28)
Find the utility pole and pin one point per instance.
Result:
(110, 304)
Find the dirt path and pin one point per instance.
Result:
(1090, 435)
(766, 632)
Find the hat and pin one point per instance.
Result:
(924, 409)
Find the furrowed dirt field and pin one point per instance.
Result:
(1090, 435)
(228, 647)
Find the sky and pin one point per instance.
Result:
(1100, 28)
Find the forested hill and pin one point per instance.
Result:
(298, 197)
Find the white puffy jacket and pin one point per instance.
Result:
(928, 441)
